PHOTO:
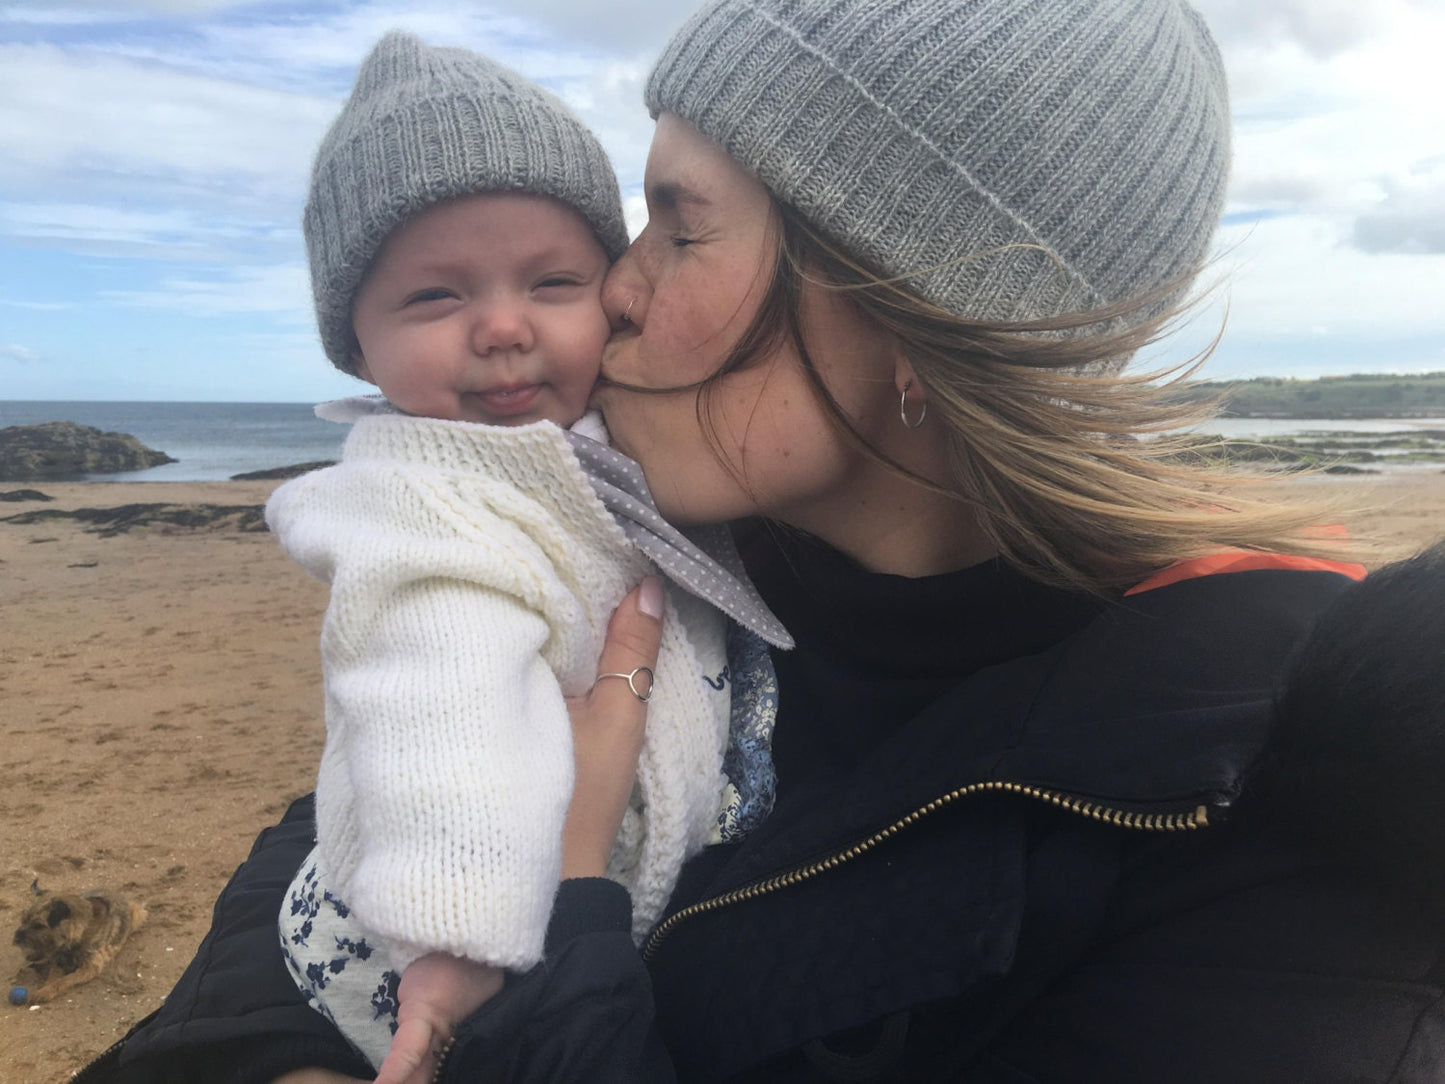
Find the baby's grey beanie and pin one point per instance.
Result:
(427, 124)
(1015, 159)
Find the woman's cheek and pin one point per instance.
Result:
(674, 357)
(688, 479)
(691, 329)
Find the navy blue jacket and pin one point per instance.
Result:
(1059, 870)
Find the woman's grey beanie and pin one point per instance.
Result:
(427, 124)
(1017, 159)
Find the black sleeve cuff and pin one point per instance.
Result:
(257, 1060)
(300, 1052)
(588, 905)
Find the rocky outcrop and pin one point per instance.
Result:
(57, 450)
(282, 472)
(109, 522)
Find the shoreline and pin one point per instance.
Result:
(163, 705)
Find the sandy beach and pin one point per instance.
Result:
(162, 704)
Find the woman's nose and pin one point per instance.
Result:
(625, 294)
(501, 325)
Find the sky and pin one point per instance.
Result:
(154, 157)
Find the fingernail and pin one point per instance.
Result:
(649, 599)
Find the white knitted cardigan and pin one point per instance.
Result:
(473, 572)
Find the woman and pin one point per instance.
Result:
(897, 253)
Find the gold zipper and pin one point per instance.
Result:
(1146, 822)
(443, 1053)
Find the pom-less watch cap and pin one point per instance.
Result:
(427, 124)
(1016, 159)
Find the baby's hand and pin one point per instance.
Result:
(436, 993)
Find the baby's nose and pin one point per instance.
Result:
(502, 325)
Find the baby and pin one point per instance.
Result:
(460, 225)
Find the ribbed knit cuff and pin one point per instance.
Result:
(588, 905)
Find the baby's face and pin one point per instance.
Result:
(486, 309)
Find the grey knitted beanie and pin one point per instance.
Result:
(1017, 159)
(427, 124)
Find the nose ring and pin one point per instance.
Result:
(627, 314)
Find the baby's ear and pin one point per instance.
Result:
(358, 365)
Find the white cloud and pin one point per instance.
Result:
(1338, 115)
(634, 211)
(1410, 218)
(167, 7)
(326, 50)
(1321, 27)
(101, 115)
(16, 352)
(183, 130)
(91, 222)
(221, 123)
(1292, 276)
(140, 233)
(635, 26)
(71, 12)
(283, 292)
(1287, 188)
(39, 306)
(604, 87)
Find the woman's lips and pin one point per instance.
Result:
(508, 401)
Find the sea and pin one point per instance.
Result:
(213, 441)
(209, 441)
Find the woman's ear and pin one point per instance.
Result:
(903, 375)
(912, 396)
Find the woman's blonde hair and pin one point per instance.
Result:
(1082, 475)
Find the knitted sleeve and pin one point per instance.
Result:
(448, 767)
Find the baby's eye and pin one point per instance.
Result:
(556, 282)
(432, 293)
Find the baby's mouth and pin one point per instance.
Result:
(513, 399)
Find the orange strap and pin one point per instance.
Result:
(1216, 563)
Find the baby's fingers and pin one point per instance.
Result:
(411, 1059)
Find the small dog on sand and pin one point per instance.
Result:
(68, 940)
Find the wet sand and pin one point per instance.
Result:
(161, 704)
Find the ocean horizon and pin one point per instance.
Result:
(214, 441)
(209, 441)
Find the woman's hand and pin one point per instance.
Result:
(607, 728)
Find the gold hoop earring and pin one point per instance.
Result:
(626, 317)
(903, 408)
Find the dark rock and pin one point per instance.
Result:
(66, 450)
(25, 495)
(282, 472)
(109, 522)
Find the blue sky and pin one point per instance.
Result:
(154, 157)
